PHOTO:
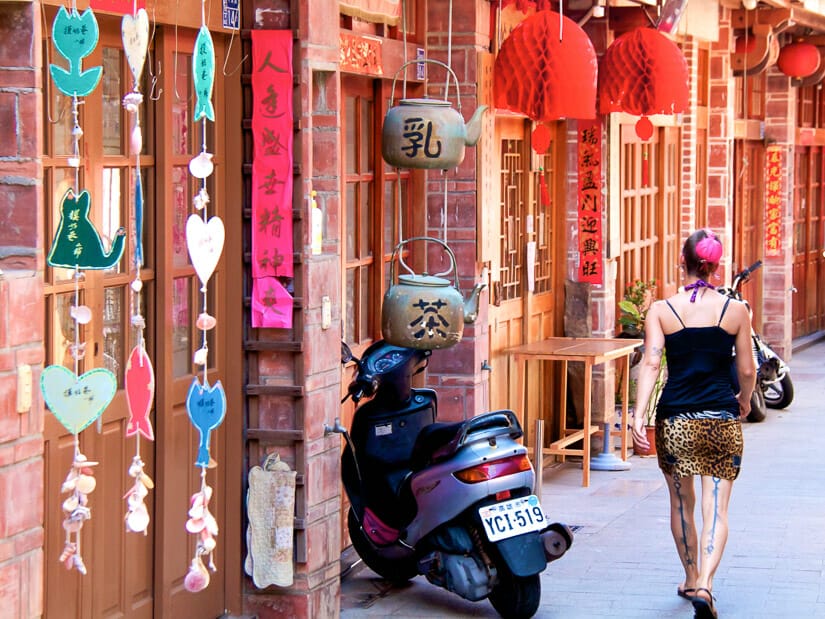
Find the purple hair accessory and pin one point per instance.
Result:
(699, 283)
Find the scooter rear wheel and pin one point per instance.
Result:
(779, 394)
(395, 571)
(515, 597)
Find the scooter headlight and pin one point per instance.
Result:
(493, 469)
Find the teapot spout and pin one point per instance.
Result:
(471, 304)
(473, 126)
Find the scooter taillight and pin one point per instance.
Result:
(493, 469)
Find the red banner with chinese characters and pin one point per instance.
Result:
(271, 169)
(591, 260)
(773, 201)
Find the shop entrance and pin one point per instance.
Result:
(129, 574)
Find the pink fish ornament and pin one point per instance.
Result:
(140, 393)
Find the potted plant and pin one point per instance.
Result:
(634, 305)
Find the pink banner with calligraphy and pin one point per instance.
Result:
(773, 201)
(271, 168)
(591, 259)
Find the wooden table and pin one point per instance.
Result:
(590, 351)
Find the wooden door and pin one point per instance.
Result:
(809, 241)
(748, 209)
(378, 214)
(527, 186)
(129, 574)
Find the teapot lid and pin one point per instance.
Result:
(423, 280)
(425, 101)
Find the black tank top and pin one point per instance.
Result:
(698, 370)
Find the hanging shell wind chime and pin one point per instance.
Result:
(205, 403)
(77, 400)
(139, 376)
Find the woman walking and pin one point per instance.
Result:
(698, 417)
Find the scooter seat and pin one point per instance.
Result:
(430, 440)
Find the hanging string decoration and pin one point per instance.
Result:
(642, 73)
(272, 248)
(546, 69)
(77, 400)
(205, 403)
(139, 376)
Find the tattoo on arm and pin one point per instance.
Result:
(655, 351)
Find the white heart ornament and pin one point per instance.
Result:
(135, 33)
(205, 244)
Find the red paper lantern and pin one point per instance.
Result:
(643, 72)
(546, 73)
(798, 59)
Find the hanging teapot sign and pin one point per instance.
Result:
(426, 311)
(428, 133)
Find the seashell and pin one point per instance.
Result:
(136, 140)
(77, 351)
(197, 579)
(72, 526)
(201, 166)
(209, 544)
(146, 481)
(138, 321)
(211, 524)
(141, 491)
(138, 520)
(207, 493)
(70, 503)
(136, 468)
(205, 322)
(69, 485)
(197, 511)
(86, 484)
(136, 285)
(81, 314)
(212, 463)
(195, 525)
(201, 356)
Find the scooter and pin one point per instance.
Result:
(451, 501)
(774, 387)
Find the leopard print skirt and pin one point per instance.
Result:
(700, 444)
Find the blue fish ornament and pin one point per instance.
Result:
(203, 73)
(75, 36)
(206, 407)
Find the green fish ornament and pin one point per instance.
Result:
(75, 36)
(77, 243)
(203, 72)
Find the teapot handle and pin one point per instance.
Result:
(423, 238)
(403, 67)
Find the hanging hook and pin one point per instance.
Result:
(175, 60)
(154, 91)
(226, 57)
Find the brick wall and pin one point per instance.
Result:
(21, 298)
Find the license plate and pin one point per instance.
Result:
(513, 517)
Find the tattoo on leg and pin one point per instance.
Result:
(710, 546)
(677, 484)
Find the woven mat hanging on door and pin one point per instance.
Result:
(270, 506)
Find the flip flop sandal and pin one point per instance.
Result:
(686, 593)
(703, 609)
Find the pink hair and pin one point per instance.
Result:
(709, 248)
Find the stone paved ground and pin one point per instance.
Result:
(623, 563)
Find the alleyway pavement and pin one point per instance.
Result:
(623, 562)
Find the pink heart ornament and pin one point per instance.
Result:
(205, 244)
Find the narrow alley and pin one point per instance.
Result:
(623, 564)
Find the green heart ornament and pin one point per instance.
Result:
(77, 401)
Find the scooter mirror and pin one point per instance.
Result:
(346, 353)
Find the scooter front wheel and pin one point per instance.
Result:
(397, 571)
(758, 410)
(515, 597)
(780, 393)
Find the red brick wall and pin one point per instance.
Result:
(21, 299)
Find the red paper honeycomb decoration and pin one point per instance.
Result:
(545, 76)
(643, 72)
